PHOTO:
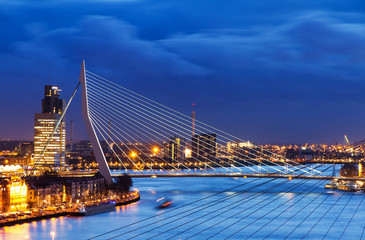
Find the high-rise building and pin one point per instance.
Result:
(51, 102)
(174, 148)
(44, 125)
(204, 146)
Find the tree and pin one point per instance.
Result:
(124, 183)
(349, 170)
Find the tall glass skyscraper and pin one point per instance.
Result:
(44, 125)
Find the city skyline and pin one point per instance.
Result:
(279, 73)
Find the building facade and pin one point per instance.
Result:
(44, 124)
(174, 148)
(13, 194)
(204, 146)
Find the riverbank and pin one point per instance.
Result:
(133, 196)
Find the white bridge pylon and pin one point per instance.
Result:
(148, 138)
(98, 152)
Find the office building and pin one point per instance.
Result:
(204, 146)
(44, 125)
(173, 149)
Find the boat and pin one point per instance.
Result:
(331, 185)
(164, 203)
(95, 208)
(349, 186)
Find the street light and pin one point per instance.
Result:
(53, 234)
(155, 149)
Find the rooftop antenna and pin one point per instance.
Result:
(347, 140)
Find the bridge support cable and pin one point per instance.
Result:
(304, 194)
(352, 217)
(227, 208)
(328, 210)
(186, 218)
(118, 129)
(57, 125)
(169, 111)
(131, 128)
(100, 126)
(151, 113)
(321, 218)
(198, 208)
(338, 215)
(148, 118)
(103, 134)
(258, 209)
(205, 205)
(173, 210)
(280, 225)
(100, 123)
(261, 163)
(309, 215)
(101, 110)
(151, 131)
(146, 128)
(248, 215)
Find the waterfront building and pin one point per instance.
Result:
(52, 190)
(44, 125)
(43, 195)
(204, 146)
(13, 194)
(84, 189)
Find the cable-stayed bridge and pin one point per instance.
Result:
(150, 139)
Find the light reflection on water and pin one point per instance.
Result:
(186, 190)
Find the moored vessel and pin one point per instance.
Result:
(349, 186)
(332, 185)
(95, 208)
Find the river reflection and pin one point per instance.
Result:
(271, 203)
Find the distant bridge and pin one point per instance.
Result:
(239, 175)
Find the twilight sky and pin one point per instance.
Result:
(277, 71)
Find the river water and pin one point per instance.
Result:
(216, 208)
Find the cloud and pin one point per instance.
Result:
(307, 58)
(307, 62)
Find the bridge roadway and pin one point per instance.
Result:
(273, 175)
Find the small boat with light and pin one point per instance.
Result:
(164, 203)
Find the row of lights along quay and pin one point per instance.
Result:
(36, 183)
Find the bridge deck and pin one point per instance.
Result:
(241, 175)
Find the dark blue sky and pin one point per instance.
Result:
(278, 71)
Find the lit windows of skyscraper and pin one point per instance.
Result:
(44, 125)
(173, 149)
(204, 146)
